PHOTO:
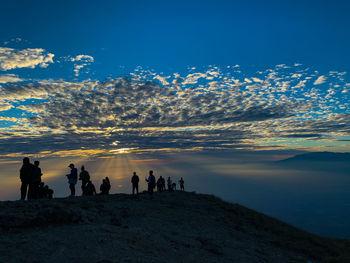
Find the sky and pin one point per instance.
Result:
(145, 83)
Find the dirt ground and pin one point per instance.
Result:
(173, 227)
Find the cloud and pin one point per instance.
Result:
(5, 106)
(25, 58)
(81, 61)
(193, 78)
(162, 79)
(202, 110)
(320, 80)
(7, 78)
(257, 80)
(85, 58)
(41, 90)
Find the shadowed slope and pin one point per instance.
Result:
(174, 227)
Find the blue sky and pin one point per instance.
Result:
(200, 75)
(170, 35)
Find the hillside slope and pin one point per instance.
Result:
(173, 227)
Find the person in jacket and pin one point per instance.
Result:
(135, 183)
(151, 180)
(84, 177)
(163, 183)
(105, 186)
(159, 184)
(72, 179)
(26, 174)
(182, 184)
(48, 193)
(170, 184)
(34, 185)
(90, 188)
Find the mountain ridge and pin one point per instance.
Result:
(173, 227)
(319, 156)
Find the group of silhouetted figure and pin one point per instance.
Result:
(30, 175)
(34, 188)
(152, 184)
(87, 187)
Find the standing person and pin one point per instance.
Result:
(135, 183)
(159, 184)
(163, 183)
(84, 177)
(182, 184)
(173, 187)
(72, 179)
(34, 185)
(169, 184)
(26, 174)
(151, 180)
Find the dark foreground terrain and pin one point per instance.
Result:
(174, 227)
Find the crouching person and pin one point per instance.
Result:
(90, 188)
(105, 186)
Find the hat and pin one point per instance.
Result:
(71, 165)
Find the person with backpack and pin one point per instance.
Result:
(135, 183)
(151, 180)
(72, 178)
(84, 177)
(26, 174)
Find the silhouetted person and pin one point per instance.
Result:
(135, 183)
(34, 185)
(41, 191)
(151, 180)
(48, 192)
(169, 184)
(159, 184)
(90, 189)
(105, 186)
(162, 183)
(72, 179)
(182, 184)
(173, 187)
(26, 174)
(107, 180)
(84, 177)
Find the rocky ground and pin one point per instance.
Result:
(173, 227)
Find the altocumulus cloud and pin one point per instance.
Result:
(11, 58)
(6, 78)
(212, 109)
(81, 61)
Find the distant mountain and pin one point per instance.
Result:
(319, 156)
